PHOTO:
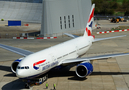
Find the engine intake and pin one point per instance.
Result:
(84, 69)
(15, 64)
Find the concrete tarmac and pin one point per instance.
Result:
(109, 74)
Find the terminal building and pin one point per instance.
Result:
(56, 16)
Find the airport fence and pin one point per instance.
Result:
(75, 32)
(78, 33)
(8, 35)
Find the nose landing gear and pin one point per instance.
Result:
(37, 81)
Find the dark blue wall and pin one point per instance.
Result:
(14, 23)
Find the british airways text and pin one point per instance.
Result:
(49, 65)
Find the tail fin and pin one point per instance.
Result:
(88, 30)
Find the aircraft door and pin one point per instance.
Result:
(77, 50)
(53, 59)
(40, 68)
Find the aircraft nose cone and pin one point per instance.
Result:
(19, 74)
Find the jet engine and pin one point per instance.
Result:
(15, 64)
(84, 69)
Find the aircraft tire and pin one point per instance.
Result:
(27, 86)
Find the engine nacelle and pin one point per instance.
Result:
(15, 64)
(84, 69)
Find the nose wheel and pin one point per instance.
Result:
(27, 86)
(36, 81)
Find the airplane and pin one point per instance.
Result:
(36, 64)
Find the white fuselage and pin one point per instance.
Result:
(44, 60)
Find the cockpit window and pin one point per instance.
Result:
(18, 67)
(24, 67)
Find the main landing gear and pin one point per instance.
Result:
(37, 81)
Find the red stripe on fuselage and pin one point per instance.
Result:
(39, 62)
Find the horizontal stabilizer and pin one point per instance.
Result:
(71, 35)
(99, 39)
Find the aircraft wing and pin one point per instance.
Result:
(71, 35)
(16, 50)
(99, 39)
(92, 58)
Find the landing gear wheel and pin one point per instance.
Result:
(27, 86)
(45, 78)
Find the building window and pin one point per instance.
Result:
(73, 20)
(65, 21)
(60, 23)
(69, 21)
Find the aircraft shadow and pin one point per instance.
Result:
(5, 68)
(73, 75)
(110, 73)
(8, 69)
(17, 84)
(10, 75)
(14, 85)
(64, 72)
